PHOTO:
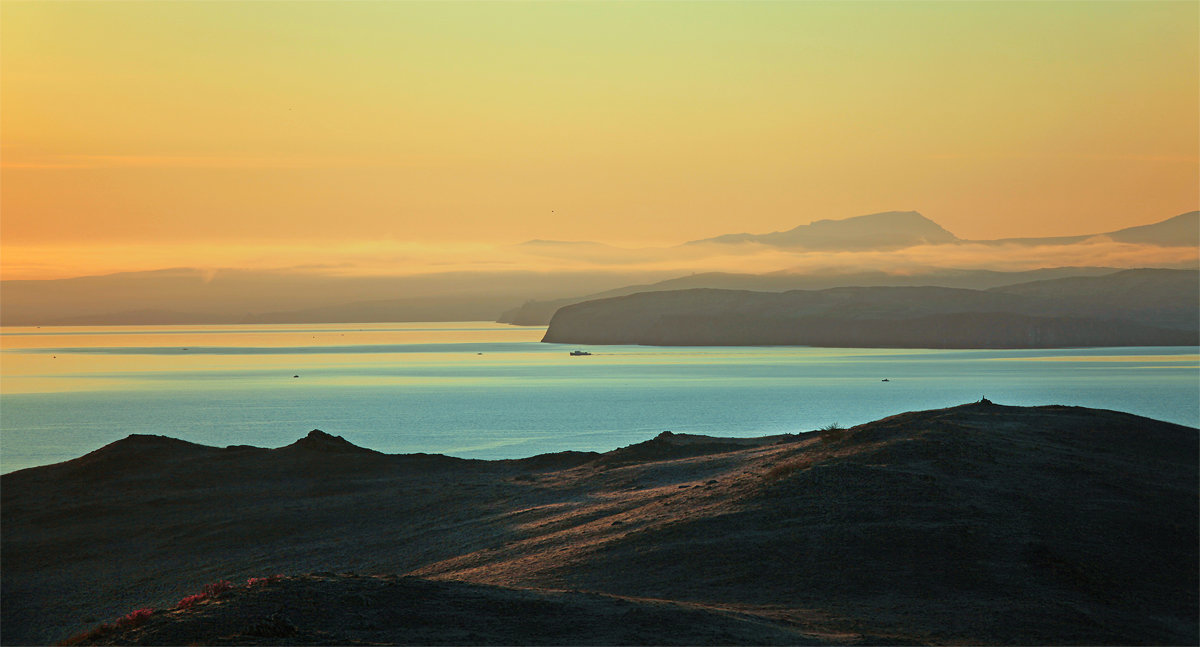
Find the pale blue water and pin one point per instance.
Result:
(481, 390)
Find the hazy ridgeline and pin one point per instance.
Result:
(1128, 308)
(536, 278)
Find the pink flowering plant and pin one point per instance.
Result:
(135, 618)
(212, 590)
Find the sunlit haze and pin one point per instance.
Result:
(401, 137)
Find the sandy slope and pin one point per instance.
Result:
(980, 523)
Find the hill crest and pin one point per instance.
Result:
(885, 230)
(902, 530)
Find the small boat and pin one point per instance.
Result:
(885, 380)
(579, 353)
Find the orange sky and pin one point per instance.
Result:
(143, 134)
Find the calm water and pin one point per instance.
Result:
(483, 390)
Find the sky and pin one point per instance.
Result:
(394, 136)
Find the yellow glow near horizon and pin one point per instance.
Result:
(244, 124)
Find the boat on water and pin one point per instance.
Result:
(579, 353)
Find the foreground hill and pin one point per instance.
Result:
(1130, 308)
(348, 608)
(975, 524)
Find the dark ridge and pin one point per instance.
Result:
(423, 461)
(1050, 420)
(669, 445)
(243, 448)
(136, 452)
(146, 443)
(1135, 308)
(319, 441)
(981, 518)
(554, 460)
(976, 524)
(539, 313)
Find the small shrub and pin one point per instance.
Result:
(217, 588)
(190, 601)
(831, 433)
(135, 618)
(212, 590)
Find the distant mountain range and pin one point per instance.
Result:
(888, 230)
(900, 229)
(1129, 308)
(192, 296)
(891, 230)
(1181, 231)
(538, 313)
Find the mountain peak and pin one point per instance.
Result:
(883, 230)
(319, 441)
(148, 442)
(881, 216)
(135, 452)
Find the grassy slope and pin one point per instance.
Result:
(979, 523)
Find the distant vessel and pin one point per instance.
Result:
(579, 353)
(885, 380)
